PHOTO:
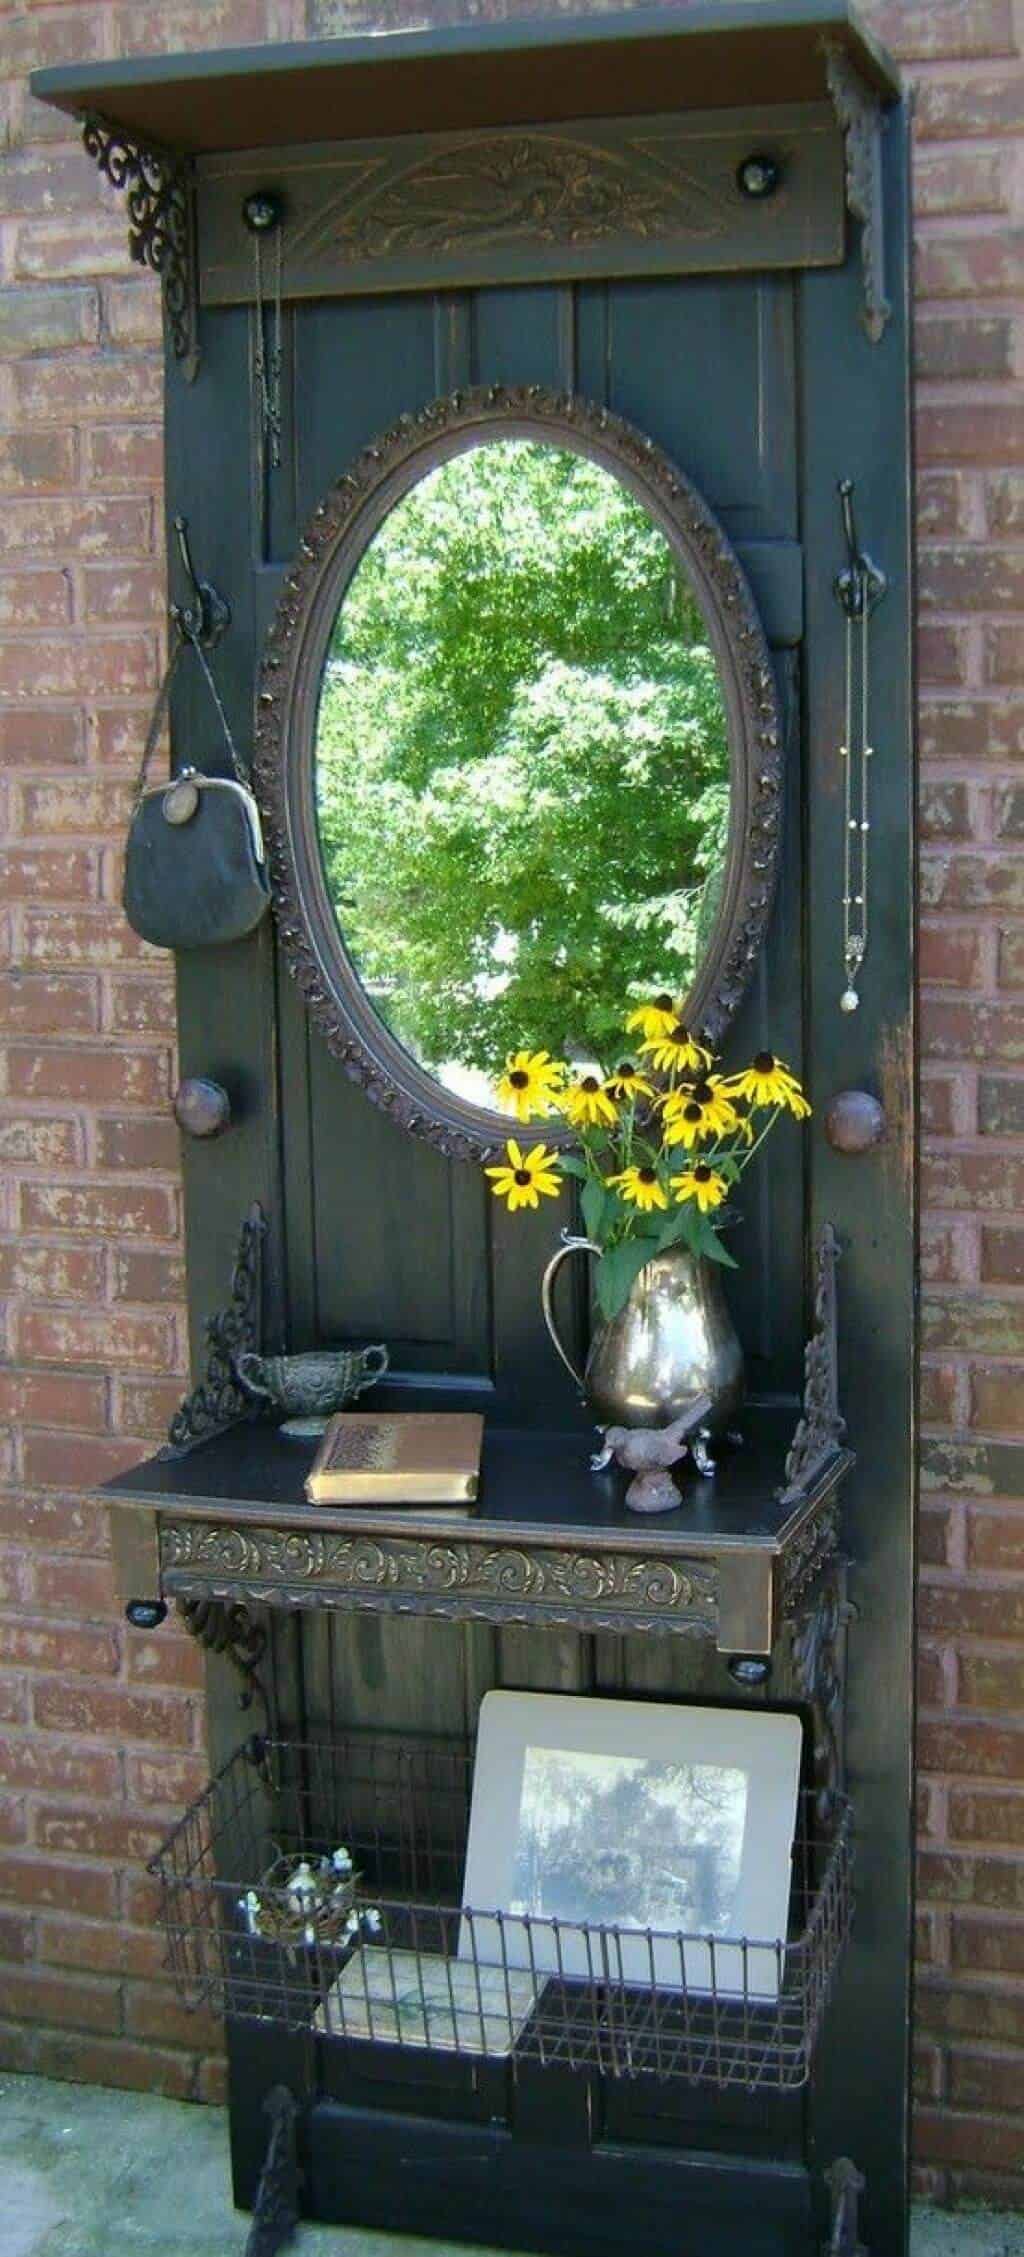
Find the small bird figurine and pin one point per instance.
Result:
(648, 1451)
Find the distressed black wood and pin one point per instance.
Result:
(767, 388)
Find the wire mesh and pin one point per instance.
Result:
(404, 1962)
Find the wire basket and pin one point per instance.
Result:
(412, 1966)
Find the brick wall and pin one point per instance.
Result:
(100, 1735)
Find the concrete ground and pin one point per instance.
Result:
(90, 2173)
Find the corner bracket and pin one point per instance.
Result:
(820, 1429)
(218, 1399)
(160, 191)
(861, 117)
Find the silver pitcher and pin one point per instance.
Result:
(674, 1339)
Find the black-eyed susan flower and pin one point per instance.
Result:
(701, 1183)
(651, 1019)
(530, 1083)
(698, 1110)
(675, 1051)
(523, 1176)
(586, 1104)
(768, 1082)
(640, 1187)
(628, 1082)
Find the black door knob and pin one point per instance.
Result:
(201, 1107)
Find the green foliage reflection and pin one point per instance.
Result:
(522, 762)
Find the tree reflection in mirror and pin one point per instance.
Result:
(522, 764)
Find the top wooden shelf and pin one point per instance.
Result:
(728, 55)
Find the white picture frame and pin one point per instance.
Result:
(607, 1816)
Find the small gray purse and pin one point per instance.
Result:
(194, 865)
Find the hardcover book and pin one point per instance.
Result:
(398, 1458)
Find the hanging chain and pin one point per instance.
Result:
(855, 752)
(263, 216)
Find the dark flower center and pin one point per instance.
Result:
(646, 1175)
(764, 1063)
(625, 1071)
(590, 1083)
(663, 1003)
(519, 1080)
(522, 1175)
(702, 1174)
(693, 1113)
(680, 1034)
(703, 1093)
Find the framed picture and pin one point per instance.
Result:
(629, 1837)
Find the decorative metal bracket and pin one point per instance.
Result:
(862, 120)
(820, 1428)
(819, 1675)
(845, 2185)
(160, 191)
(276, 2208)
(222, 1628)
(218, 1400)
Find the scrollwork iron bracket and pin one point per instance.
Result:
(222, 1628)
(862, 119)
(821, 1427)
(159, 188)
(218, 1400)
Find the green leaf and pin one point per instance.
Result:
(711, 1245)
(673, 1228)
(593, 1201)
(571, 1165)
(616, 1272)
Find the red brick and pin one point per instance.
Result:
(140, 1274)
(37, 461)
(969, 266)
(139, 1144)
(972, 1180)
(108, 1337)
(933, 1535)
(64, 1461)
(56, 1524)
(167, 1659)
(45, 1880)
(984, 1750)
(13, 1829)
(961, 2138)
(101, 1949)
(144, 1005)
(122, 1210)
(970, 729)
(943, 503)
(982, 103)
(94, 666)
(954, 881)
(965, 431)
(34, 737)
(981, 1945)
(76, 806)
(83, 526)
(100, 2061)
(73, 1586)
(960, 180)
(973, 1322)
(125, 591)
(941, 653)
(939, 1104)
(941, 1259)
(147, 1406)
(1004, 654)
(107, 1076)
(971, 579)
(13, 1700)
(52, 1399)
(995, 1540)
(1010, 961)
(997, 1398)
(989, 1032)
(52, 1766)
(71, 2002)
(113, 1712)
(133, 312)
(1004, 502)
(168, 1781)
(28, 42)
(979, 1816)
(938, 1394)
(72, 1648)
(80, 386)
(37, 1003)
(40, 873)
(34, 599)
(945, 810)
(68, 248)
(17, 1938)
(158, 2014)
(118, 1836)
(30, 1140)
(79, 937)
(125, 455)
(952, 955)
(933, 30)
(117, 736)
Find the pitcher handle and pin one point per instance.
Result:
(373, 1363)
(547, 1292)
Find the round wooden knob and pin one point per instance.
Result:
(854, 1121)
(201, 1108)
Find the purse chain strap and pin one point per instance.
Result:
(180, 643)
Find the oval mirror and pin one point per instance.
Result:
(518, 755)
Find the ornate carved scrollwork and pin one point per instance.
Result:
(820, 1429)
(218, 1400)
(159, 191)
(420, 1575)
(222, 1628)
(285, 731)
(861, 117)
(819, 1668)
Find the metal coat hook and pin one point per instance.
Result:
(204, 617)
(862, 584)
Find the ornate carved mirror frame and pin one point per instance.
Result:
(288, 697)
